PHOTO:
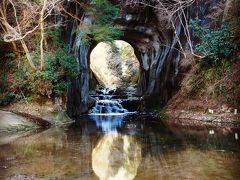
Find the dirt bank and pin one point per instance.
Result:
(208, 95)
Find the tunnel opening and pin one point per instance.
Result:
(115, 70)
(114, 65)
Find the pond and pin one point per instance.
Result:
(120, 147)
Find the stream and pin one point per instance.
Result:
(114, 143)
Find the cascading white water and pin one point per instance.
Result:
(108, 113)
(110, 107)
(107, 106)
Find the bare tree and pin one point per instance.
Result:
(21, 19)
(172, 12)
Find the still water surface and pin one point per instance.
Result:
(122, 148)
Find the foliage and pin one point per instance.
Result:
(3, 72)
(102, 28)
(8, 98)
(53, 36)
(51, 80)
(213, 44)
(104, 11)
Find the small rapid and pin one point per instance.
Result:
(108, 113)
(105, 105)
(108, 107)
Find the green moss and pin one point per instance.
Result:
(20, 127)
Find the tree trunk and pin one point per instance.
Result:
(42, 34)
(28, 55)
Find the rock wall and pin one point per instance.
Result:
(78, 90)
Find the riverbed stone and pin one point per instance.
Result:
(12, 122)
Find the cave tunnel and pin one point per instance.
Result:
(155, 47)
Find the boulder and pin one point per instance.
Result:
(12, 122)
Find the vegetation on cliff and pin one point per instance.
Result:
(38, 62)
(102, 28)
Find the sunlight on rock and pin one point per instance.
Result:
(116, 157)
(114, 66)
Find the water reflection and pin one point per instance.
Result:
(116, 157)
(137, 148)
(108, 123)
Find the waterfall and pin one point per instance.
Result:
(108, 113)
(109, 107)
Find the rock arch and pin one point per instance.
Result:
(158, 63)
(155, 45)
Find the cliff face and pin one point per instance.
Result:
(156, 45)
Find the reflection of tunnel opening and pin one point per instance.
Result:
(114, 66)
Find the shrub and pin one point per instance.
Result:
(213, 44)
(7, 99)
(51, 80)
